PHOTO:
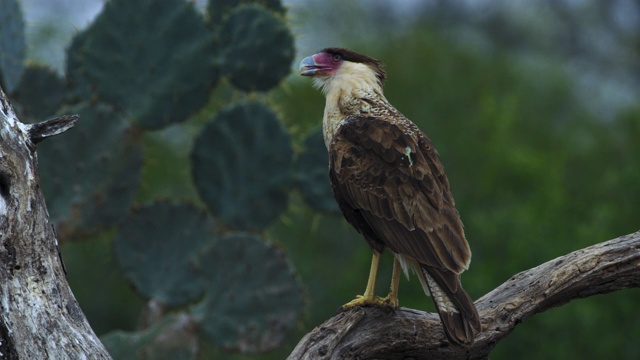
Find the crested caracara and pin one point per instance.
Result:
(390, 184)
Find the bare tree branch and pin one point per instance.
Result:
(39, 316)
(51, 127)
(368, 332)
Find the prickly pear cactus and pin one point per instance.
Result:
(171, 338)
(12, 44)
(139, 67)
(39, 93)
(253, 298)
(218, 9)
(80, 89)
(156, 247)
(158, 67)
(313, 174)
(257, 48)
(242, 164)
(91, 177)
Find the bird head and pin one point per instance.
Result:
(337, 65)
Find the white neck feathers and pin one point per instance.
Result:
(348, 78)
(348, 85)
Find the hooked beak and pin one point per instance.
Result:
(309, 67)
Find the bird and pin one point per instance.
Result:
(390, 185)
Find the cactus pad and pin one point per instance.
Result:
(40, 93)
(218, 9)
(253, 298)
(156, 245)
(158, 67)
(12, 44)
(90, 174)
(241, 163)
(171, 338)
(313, 174)
(257, 47)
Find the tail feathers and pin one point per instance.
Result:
(457, 312)
(459, 328)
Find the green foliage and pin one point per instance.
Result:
(533, 175)
(98, 284)
(244, 175)
(91, 177)
(12, 44)
(313, 174)
(253, 297)
(158, 67)
(258, 48)
(171, 338)
(156, 246)
(331, 258)
(167, 172)
(39, 93)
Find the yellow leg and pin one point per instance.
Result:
(373, 275)
(392, 298)
(368, 298)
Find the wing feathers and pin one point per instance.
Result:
(393, 177)
(390, 185)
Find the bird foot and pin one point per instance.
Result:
(362, 300)
(391, 300)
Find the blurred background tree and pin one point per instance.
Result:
(532, 106)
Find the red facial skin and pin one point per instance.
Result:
(321, 64)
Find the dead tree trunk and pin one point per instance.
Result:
(39, 316)
(379, 333)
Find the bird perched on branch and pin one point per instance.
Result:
(389, 183)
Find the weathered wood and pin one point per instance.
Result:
(378, 333)
(51, 127)
(39, 316)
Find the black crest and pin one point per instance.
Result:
(353, 56)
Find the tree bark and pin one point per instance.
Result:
(383, 333)
(40, 318)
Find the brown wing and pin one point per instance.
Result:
(390, 185)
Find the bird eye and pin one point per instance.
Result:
(337, 57)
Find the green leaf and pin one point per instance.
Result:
(156, 246)
(241, 163)
(91, 173)
(253, 298)
(158, 67)
(258, 48)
